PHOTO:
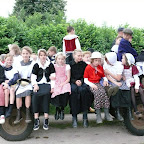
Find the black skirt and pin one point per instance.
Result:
(81, 98)
(60, 100)
(121, 99)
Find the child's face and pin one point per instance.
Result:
(78, 57)
(60, 60)
(25, 55)
(118, 41)
(96, 62)
(42, 57)
(123, 60)
(86, 58)
(8, 61)
(127, 36)
(51, 53)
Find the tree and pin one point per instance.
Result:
(24, 8)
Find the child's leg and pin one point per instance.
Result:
(6, 92)
(133, 99)
(46, 123)
(27, 104)
(27, 101)
(36, 121)
(12, 95)
(2, 118)
(19, 102)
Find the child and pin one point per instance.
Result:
(42, 88)
(115, 47)
(92, 75)
(51, 54)
(125, 45)
(62, 87)
(9, 89)
(70, 43)
(113, 70)
(80, 94)
(24, 88)
(2, 97)
(16, 52)
(86, 57)
(132, 80)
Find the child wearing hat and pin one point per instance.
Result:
(92, 75)
(125, 45)
(113, 70)
(132, 80)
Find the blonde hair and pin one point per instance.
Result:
(8, 55)
(15, 48)
(76, 51)
(86, 52)
(2, 57)
(27, 48)
(60, 54)
(127, 64)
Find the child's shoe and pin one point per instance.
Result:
(2, 119)
(36, 124)
(45, 125)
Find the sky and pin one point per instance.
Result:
(111, 12)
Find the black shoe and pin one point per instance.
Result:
(62, 114)
(118, 115)
(74, 124)
(85, 123)
(57, 115)
(18, 117)
(36, 124)
(45, 125)
(28, 116)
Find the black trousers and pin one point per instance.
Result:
(80, 98)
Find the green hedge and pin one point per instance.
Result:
(39, 35)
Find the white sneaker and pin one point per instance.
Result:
(2, 119)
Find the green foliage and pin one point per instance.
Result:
(36, 34)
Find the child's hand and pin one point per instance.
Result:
(78, 83)
(94, 87)
(105, 83)
(6, 81)
(52, 78)
(5, 85)
(136, 90)
(36, 88)
(52, 90)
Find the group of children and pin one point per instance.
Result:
(73, 76)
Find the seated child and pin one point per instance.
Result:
(2, 97)
(92, 75)
(113, 70)
(86, 57)
(132, 80)
(12, 76)
(51, 54)
(62, 88)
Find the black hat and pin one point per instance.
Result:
(120, 29)
(90, 49)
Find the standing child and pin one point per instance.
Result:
(12, 76)
(62, 87)
(92, 75)
(125, 45)
(70, 43)
(42, 87)
(2, 98)
(132, 80)
(25, 88)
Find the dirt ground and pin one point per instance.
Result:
(61, 132)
